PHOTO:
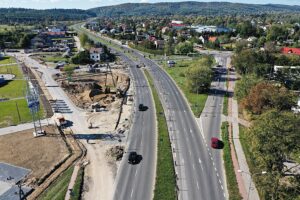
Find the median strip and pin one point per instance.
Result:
(165, 182)
(232, 185)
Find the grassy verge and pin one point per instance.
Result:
(58, 188)
(9, 114)
(245, 139)
(165, 174)
(225, 105)
(196, 101)
(232, 185)
(77, 187)
(150, 51)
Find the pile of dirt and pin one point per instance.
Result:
(85, 91)
(115, 152)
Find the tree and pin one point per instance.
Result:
(83, 39)
(244, 61)
(199, 76)
(244, 85)
(69, 71)
(264, 96)
(277, 32)
(82, 57)
(184, 48)
(274, 136)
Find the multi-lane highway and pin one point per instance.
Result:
(199, 168)
(137, 181)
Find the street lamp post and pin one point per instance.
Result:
(251, 178)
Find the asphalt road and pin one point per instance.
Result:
(199, 168)
(137, 181)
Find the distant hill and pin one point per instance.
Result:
(20, 15)
(191, 7)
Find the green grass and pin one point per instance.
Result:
(165, 174)
(7, 60)
(77, 186)
(58, 189)
(9, 115)
(196, 101)
(54, 58)
(11, 69)
(13, 89)
(150, 51)
(232, 185)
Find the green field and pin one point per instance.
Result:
(13, 89)
(11, 69)
(9, 114)
(58, 188)
(232, 185)
(52, 58)
(77, 187)
(7, 60)
(196, 101)
(165, 174)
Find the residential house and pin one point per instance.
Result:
(252, 39)
(159, 44)
(96, 54)
(213, 39)
(287, 50)
(165, 29)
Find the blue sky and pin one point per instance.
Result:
(85, 4)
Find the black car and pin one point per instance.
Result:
(133, 157)
(142, 107)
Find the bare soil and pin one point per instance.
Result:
(37, 154)
(87, 89)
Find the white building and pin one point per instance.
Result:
(95, 54)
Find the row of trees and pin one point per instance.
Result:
(199, 75)
(273, 138)
(261, 63)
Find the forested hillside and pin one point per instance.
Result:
(187, 8)
(21, 15)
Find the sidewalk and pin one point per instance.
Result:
(22, 127)
(238, 156)
(72, 182)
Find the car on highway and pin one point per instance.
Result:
(134, 158)
(142, 107)
(214, 142)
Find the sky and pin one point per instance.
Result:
(85, 4)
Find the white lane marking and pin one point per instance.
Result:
(220, 182)
(193, 166)
(190, 152)
(217, 174)
(191, 131)
(135, 173)
(222, 187)
(198, 186)
(200, 161)
(131, 193)
(215, 169)
(182, 161)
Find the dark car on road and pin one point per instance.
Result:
(134, 158)
(215, 143)
(142, 107)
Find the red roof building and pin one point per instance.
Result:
(287, 50)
